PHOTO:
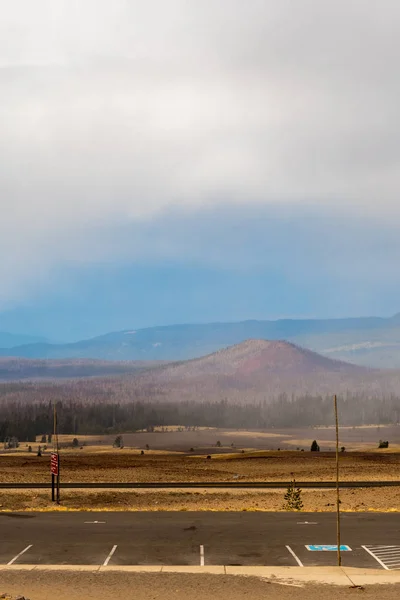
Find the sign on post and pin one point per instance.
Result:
(54, 463)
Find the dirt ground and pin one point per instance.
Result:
(119, 466)
(172, 586)
(97, 461)
(367, 499)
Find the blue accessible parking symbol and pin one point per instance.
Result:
(328, 548)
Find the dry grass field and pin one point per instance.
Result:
(129, 466)
(370, 499)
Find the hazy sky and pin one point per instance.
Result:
(190, 161)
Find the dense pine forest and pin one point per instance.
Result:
(93, 407)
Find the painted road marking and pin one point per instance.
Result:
(93, 522)
(387, 556)
(19, 555)
(109, 556)
(202, 556)
(296, 558)
(328, 548)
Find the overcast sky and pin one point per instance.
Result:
(223, 140)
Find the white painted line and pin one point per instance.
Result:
(295, 557)
(109, 556)
(202, 556)
(18, 555)
(93, 522)
(375, 557)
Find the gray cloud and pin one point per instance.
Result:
(115, 112)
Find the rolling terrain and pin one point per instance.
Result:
(12, 368)
(249, 371)
(373, 342)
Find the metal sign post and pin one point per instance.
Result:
(54, 467)
(55, 462)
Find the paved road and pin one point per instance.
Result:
(194, 538)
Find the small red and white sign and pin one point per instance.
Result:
(54, 463)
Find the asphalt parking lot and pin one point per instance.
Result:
(230, 539)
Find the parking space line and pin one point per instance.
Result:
(109, 556)
(202, 556)
(295, 557)
(19, 555)
(375, 557)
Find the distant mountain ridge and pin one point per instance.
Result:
(366, 341)
(10, 340)
(252, 371)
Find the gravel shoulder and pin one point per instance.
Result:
(144, 586)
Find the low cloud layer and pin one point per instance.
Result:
(120, 114)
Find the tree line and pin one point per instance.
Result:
(26, 420)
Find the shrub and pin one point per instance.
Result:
(292, 497)
(118, 442)
(315, 446)
(383, 444)
(75, 443)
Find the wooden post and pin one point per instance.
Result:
(337, 485)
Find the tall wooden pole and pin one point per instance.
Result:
(337, 484)
(55, 447)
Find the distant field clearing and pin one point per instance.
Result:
(365, 438)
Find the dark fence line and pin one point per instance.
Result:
(207, 484)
